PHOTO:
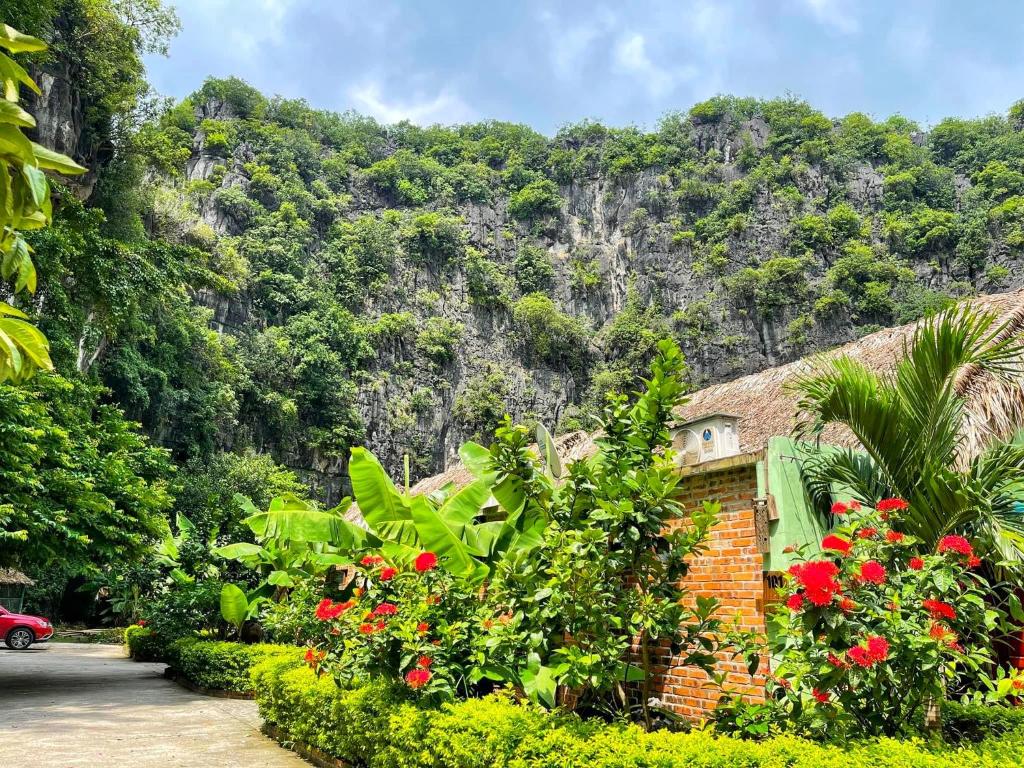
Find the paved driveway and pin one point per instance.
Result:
(87, 706)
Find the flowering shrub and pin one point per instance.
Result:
(411, 624)
(871, 629)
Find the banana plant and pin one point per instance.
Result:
(238, 606)
(294, 540)
(450, 523)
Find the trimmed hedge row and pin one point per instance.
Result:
(142, 644)
(376, 727)
(220, 666)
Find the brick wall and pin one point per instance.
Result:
(732, 570)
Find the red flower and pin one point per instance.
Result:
(426, 561)
(370, 560)
(915, 563)
(846, 605)
(387, 574)
(937, 631)
(833, 542)
(973, 561)
(310, 656)
(867, 533)
(140, 623)
(854, 505)
(859, 656)
(1018, 684)
(939, 609)
(872, 572)
(380, 625)
(325, 610)
(386, 609)
(795, 601)
(836, 661)
(366, 629)
(955, 646)
(422, 627)
(893, 537)
(891, 505)
(878, 648)
(957, 544)
(424, 661)
(784, 683)
(818, 580)
(821, 696)
(840, 508)
(417, 678)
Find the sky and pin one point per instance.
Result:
(624, 63)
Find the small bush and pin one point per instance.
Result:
(222, 666)
(549, 334)
(536, 199)
(143, 644)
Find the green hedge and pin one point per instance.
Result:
(224, 666)
(143, 644)
(973, 723)
(377, 727)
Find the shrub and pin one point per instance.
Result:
(438, 339)
(533, 270)
(142, 643)
(550, 335)
(872, 627)
(221, 666)
(375, 727)
(434, 238)
(536, 199)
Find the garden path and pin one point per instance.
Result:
(87, 706)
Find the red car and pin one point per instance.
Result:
(20, 631)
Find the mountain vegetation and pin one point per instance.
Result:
(245, 282)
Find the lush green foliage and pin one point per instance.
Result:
(143, 644)
(375, 727)
(872, 631)
(911, 425)
(220, 666)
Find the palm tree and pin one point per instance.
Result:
(911, 423)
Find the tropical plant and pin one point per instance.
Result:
(874, 630)
(911, 424)
(294, 541)
(608, 575)
(24, 205)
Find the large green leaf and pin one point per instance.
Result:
(383, 508)
(54, 161)
(234, 605)
(441, 536)
(240, 551)
(18, 42)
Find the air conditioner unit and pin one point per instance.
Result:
(706, 439)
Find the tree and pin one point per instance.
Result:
(911, 424)
(25, 198)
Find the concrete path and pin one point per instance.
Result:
(87, 706)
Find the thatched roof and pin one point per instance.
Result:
(12, 576)
(766, 407)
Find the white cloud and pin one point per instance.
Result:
(446, 107)
(835, 14)
(631, 57)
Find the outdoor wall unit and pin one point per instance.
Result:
(711, 437)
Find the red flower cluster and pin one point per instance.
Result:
(386, 609)
(891, 505)
(371, 560)
(328, 610)
(957, 544)
(973, 561)
(872, 572)
(795, 602)
(833, 542)
(915, 563)
(939, 609)
(821, 696)
(937, 631)
(313, 657)
(840, 508)
(817, 577)
(894, 537)
(422, 627)
(871, 652)
(868, 533)
(387, 574)
(424, 661)
(425, 561)
(838, 662)
(417, 678)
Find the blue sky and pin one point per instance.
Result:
(550, 63)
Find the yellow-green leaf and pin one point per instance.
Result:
(55, 161)
(18, 42)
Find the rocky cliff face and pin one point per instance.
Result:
(746, 245)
